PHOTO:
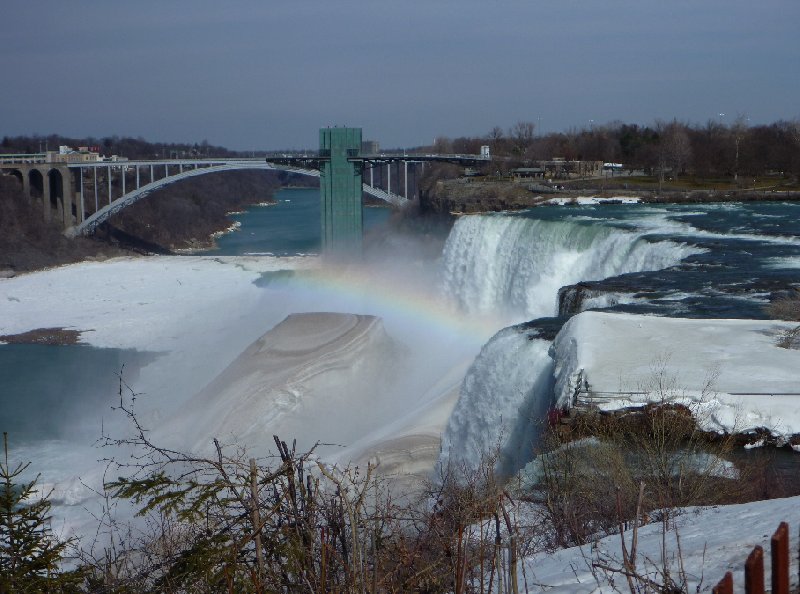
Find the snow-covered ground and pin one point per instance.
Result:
(387, 385)
(333, 379)
(206, 315)
(712, 541)
(140, 303)
(731, 372)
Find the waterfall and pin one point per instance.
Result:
(516, 265)
(503, 401)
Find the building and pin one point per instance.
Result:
(66, 154)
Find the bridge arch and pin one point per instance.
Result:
(36, 183)
(55, 199)
(88, 226)
(16, 173)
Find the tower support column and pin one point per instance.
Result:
(341, 189)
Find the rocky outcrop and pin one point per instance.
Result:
(464, 196)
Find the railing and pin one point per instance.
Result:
(754, 567)
(23, 158)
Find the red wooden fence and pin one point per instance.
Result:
(754, 567)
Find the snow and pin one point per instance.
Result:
(593, 200)
(208, 319)
(369, 394)
(313, 378)
(140, 303)
(712, 541)
(730, 371)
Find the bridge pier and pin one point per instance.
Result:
(82, 205)
(26, 184)
(46, 197)
(96, 193)
(68, 199)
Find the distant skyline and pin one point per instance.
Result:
(267, 75)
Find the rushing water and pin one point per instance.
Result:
(715, 261)
(712, 261)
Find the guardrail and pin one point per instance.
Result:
(23, 158)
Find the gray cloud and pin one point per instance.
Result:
(269, 74)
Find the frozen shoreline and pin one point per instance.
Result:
(199, 314)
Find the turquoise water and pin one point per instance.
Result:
(290, 227)
(54, 392)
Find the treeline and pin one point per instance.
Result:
(132, 148)
(711, 150)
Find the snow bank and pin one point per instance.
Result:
(141, 303)
(310, 378)
(712, 541)
(197, 312)
(731, 371)
(592, 200)
(330, 379)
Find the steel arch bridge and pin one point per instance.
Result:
(197, 167)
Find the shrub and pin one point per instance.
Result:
(30, 555)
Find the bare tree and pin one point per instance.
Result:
(674, 148)
(739, 131)
(522, 133)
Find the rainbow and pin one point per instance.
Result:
(385, 296)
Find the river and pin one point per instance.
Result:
(542, 265)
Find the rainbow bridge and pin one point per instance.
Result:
(83, 194)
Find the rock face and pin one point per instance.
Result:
(462, 196)
(571, 298)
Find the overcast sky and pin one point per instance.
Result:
(269, 73)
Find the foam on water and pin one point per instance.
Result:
(787, 262)
(663, 223)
